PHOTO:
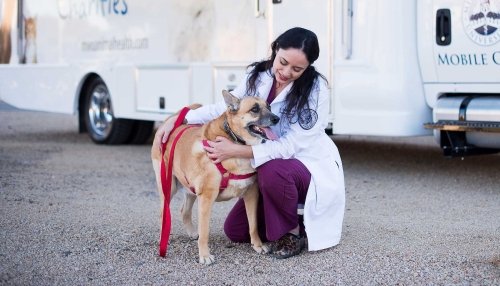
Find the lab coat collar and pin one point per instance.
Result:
(268, 84)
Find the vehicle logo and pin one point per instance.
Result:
(481, 19)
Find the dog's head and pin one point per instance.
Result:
(249, 118)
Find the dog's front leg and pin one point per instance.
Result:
(206, 200)
(251, 199)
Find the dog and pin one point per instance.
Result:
(246, 121)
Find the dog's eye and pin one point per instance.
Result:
(255, 108)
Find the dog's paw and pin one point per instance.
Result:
(207, 260)
(262, 249)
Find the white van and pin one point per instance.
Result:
(396, 68)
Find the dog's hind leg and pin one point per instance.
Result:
(156, 168)
(173, 188)
(187, 214)
(251, 199)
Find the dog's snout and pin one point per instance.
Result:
(275, 119)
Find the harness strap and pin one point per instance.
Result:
(226, 176)
(166, 182)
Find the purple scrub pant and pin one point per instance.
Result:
(283, 186)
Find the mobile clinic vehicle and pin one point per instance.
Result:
(396, 68)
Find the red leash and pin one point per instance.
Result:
(166, 181)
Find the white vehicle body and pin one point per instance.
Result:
(393, 66)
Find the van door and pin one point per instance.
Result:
(462, 45)
(377, 84)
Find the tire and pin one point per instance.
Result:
(102, 126)
(141, 132)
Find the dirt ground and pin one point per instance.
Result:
(74, 213)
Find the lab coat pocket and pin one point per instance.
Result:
(329, 186)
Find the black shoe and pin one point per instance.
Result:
(288, 245)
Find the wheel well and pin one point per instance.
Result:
(81, 101)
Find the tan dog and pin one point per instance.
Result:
(246, 120)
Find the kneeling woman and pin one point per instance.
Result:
(301, 167)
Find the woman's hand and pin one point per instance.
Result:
(222, 149)
(163, 131)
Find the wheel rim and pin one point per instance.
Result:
(100, 111)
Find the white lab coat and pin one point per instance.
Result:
(325, 200)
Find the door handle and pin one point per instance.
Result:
(347, 14)
(258, 12)
(443, 27)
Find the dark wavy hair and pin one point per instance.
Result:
(297, 100)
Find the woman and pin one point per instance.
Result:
(301, 167)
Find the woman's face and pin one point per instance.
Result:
(289, 65)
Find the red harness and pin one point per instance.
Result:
(226, 176)
(166, 179)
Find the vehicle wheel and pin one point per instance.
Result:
(141, 132)
(101, 124)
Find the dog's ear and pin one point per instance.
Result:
(232, 102)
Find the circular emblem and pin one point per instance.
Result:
(481, 19)
(307, 118)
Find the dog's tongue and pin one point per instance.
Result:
(270, 134)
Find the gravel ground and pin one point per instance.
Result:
(75, 213)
